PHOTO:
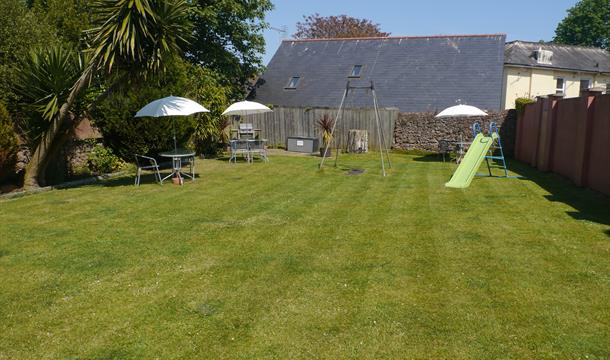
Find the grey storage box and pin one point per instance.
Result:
(302, 144)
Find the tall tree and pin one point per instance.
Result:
(133, 37)
(343, 26)
(69, 17)
(228, 38)
(43, 83)
(587, 23)
(20, 32)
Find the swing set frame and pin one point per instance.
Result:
(384, 153)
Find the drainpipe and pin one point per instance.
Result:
(531, 81)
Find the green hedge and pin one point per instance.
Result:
(520, 104)
(128, 136)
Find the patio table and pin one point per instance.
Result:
(177, 156)
(244, 147)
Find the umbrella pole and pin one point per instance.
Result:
(174, 130)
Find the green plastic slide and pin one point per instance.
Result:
(471, 162)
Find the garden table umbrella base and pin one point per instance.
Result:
(177, 157)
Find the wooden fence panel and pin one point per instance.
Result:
(576, 139)
(529, 128)
(570, 115)
(284, 122)
(598, 171)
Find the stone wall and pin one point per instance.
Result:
(422, 131)
(70, 162)
(76, 153)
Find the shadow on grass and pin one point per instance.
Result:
(129, 180)
(434, 158)
(588, 205)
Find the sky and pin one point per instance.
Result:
(530, 20)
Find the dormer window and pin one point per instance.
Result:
(293, 82)
(544, 57)
(356, 71)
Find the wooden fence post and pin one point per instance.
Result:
(546, 133)
(584, 151)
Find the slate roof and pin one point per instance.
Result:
(566, 57)
(414, 74)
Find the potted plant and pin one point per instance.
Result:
(325, 124)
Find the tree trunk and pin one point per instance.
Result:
(34, 172)
(357, 141)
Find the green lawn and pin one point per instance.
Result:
(280, 260)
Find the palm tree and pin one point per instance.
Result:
(134, 38)
(44, 82)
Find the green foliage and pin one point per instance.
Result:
(20, 32)
(587, 23)
(43, 83)
(8, 141)
(46, 76)
(140, 34)
(520, 104)
(69, 18)
(228, 39)
(211, 131)
(129, 43)
(102, 160)
(127, 135)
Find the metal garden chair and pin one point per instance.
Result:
(147, 163)
(444, 147)
(191, 165)
(246, 131)
(257, 147)
(239, 147)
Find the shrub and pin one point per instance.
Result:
(128, 136)
(103, 161)
(520, 104)
(8, 141)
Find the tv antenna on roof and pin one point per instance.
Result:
(282, 30)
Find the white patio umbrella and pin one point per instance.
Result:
(171, 106)
(461, 111)
(246, 108)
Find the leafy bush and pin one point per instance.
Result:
(128, 136)
(103, 161)
(520, 104)
(8, 141)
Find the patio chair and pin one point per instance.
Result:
(246, 131)
(239, 147)
(147, 163)
(257, 147)
(444, 148)
(190, 162)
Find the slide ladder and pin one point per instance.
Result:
(483, 148)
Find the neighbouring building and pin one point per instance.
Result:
(413, 74)
(538, 69)
(429, 73)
